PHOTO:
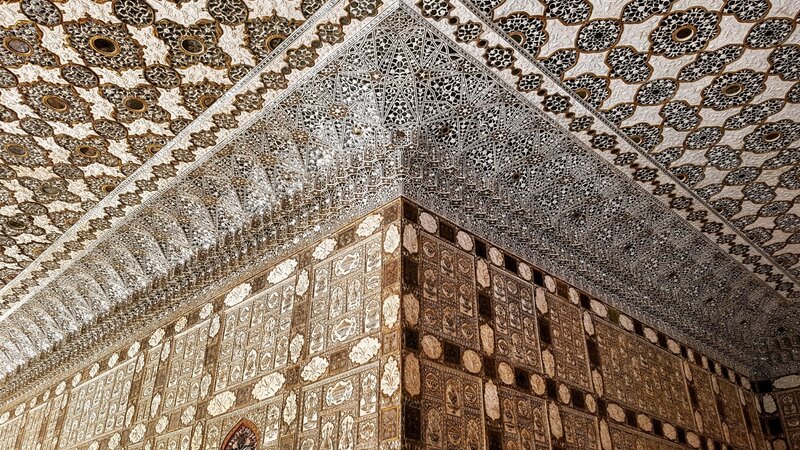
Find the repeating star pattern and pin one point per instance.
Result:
(91, 91)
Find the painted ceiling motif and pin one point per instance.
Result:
(649, 148)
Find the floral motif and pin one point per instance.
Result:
(21, 44)
(55, 102)
(598, 35)
(324, 248)
(657, 91)
(140, 102)
(369, 225)
(314, 369)
(265, 34)
(772, 136)
(390, 380)
(282, 271)
(364, 350)
(221, 403)
(746, 10)
(629, 65)
(268, 386)
(570, 12)
(770, 32)
(237, 294)
(137, 433)
(104, 44)
(680, 115)
(194, 44)
(783, 61)
(684, 32)
(528, 31)
(733, 89)
(637, 11)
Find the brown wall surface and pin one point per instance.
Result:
(500, 355)
(311, 352)
(781, 407)
(308, 351)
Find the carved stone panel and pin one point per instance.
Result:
(515, 331)
(631, 440)
(452, 408)
(447, 292)
(732, 414)
(705, 405)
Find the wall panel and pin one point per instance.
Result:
(401, 329)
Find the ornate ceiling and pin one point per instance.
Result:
(649, 149)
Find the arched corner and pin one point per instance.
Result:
(243, 436)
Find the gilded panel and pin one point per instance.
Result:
(452, 408)
(754, 422)
(255, 337)
(186, 365)
(342, 411)
(789, 407)
(516, 339)
(266, 415)
(147, 393)
(447, 291)
(580, 430)
(731, 413)
(642, 376)
(9, 432)
(98, 406)
(568, 343)
(624, 439)
(705, 403)
(51, 432)
(34, 419)
(524, 420)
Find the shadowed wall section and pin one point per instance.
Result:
(500, 355)
(399, 330)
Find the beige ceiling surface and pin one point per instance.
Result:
(708, 89)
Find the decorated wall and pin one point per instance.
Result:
(781, 406)
(400, 330)
(501, 355)
(306, 352)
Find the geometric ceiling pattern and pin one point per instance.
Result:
(90, 91)
(116, 160)
(709, 89)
